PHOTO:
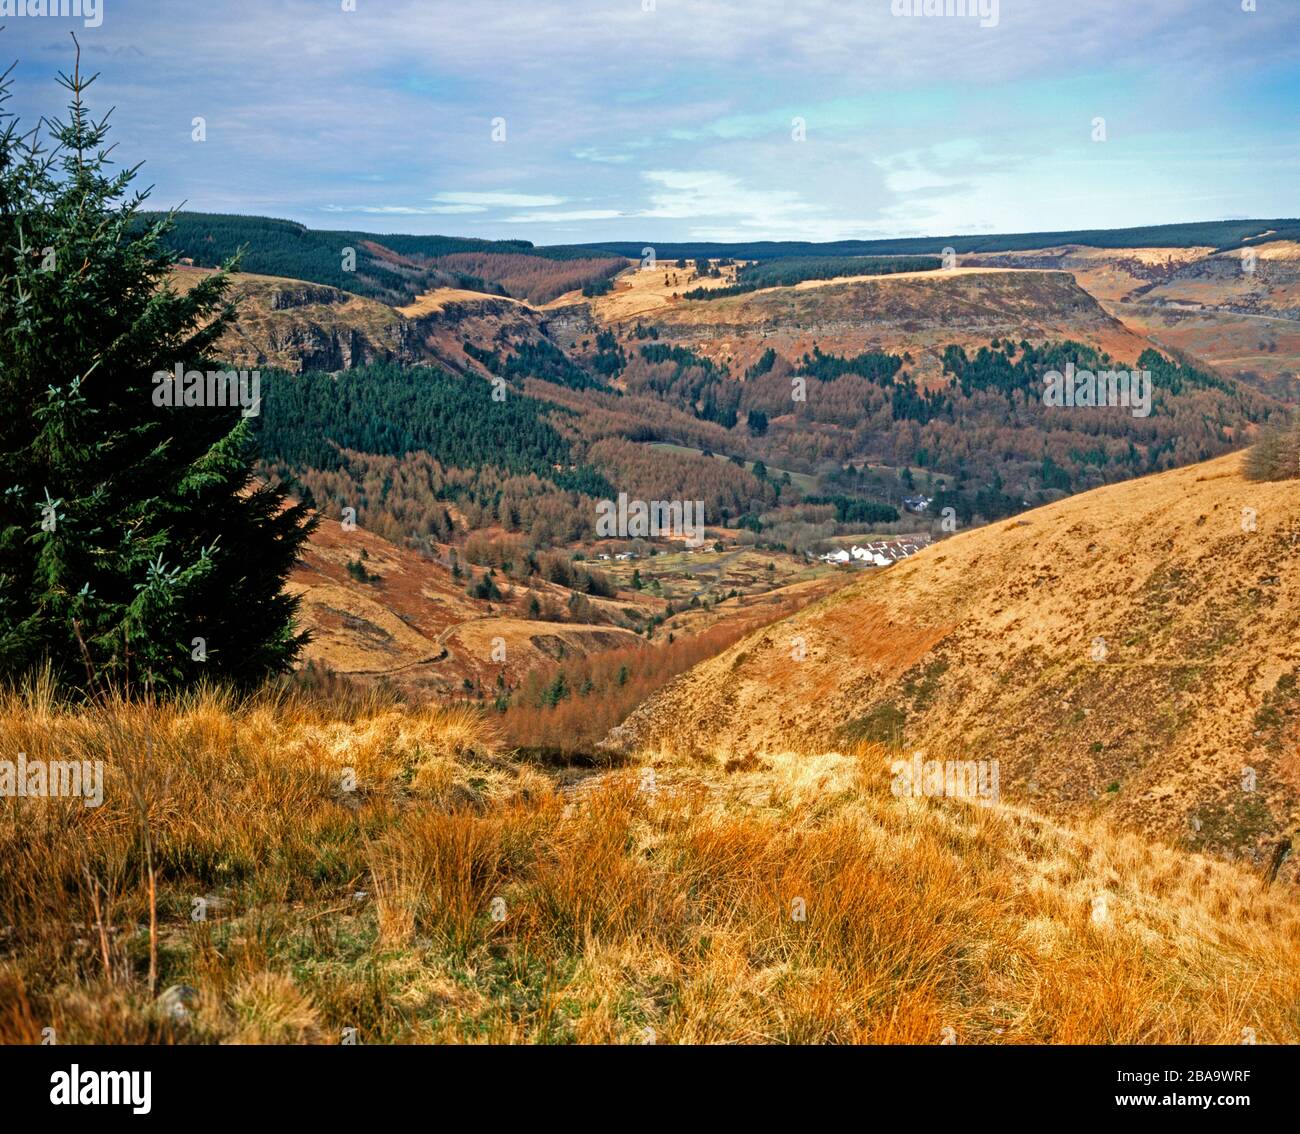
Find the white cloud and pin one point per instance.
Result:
(499, 200)
(458, 203)
(598, 92)
(596, 154)
(711, 193)
(548, 217)
(404, 210)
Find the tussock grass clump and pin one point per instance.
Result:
(270, 871)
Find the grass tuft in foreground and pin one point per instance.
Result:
(307, 870)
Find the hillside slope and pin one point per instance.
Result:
(401, 616)
(450, 894)
(297, 325)
(1129, 651)
(1238, 310)
(920, 313)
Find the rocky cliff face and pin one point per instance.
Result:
(309, 345)
(295, 294)
(571, 323)
(1257, 281)
(293, 325)
(439, 325)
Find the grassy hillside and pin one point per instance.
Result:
(1128, 652)
(379, 612)
(279, 871)
(389, 265)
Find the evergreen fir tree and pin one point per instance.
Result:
(137, 549)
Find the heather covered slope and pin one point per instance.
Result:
(1131, 651)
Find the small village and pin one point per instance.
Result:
(876, 553)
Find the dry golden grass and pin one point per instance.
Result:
(441, 298)
(983, 644)
(454, 895)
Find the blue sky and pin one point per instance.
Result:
(678, 122)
